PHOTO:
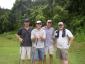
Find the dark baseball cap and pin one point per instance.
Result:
(26, 20)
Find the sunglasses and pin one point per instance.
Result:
(50, 22)
(60, 25)
(39, 23)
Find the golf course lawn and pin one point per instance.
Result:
(9, 51)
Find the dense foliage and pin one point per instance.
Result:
(72, 12)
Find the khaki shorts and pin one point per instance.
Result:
(63, 54)
(25, 53)
(49, 50)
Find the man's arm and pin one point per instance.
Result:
(18, 35)
(43, 36)
(70, 40)
(54, 39)
(70, 37)
(33, 38)
(19, 38)
(53, 36)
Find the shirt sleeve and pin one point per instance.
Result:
(44, 34)
(69, 34)
(19, 32)
(32, 34)
(53, 33)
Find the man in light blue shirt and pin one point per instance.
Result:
(49, 49)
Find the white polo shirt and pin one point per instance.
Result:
(38, 43)
(62, 42)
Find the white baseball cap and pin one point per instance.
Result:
(60, 23)
(49, 21)
(39, 21)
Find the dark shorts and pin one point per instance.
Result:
(38, 54)
(63, 54)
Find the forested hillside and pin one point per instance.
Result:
(72, 12)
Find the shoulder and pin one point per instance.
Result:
(33, 30)
(19, 31)
(42, 30)
(52, 29)
(67, 30)
(45, 27)
(69, 33)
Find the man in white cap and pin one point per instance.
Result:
(63, 38)
(38, 37)
(49, 48)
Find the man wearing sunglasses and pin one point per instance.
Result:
(63, 39)
(49, 49)
(38, 37)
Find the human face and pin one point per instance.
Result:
(38, 25)
(49, 24)
(26, 24)
(61, 26)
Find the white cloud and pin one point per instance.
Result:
(7, 4)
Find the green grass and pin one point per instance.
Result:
(9, 51)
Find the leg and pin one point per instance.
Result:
(22, 55)
(29, 55)
(51, 52)
(44, 59)
(34, 56)
(22, 62)
(51, 58)
(41, 55)
(28, 62)
(45, 55)
(40, 62)
(64, 61)
(64, 56)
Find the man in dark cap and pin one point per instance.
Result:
(24, 36)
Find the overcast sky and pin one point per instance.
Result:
(7, 4)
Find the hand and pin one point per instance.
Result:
(38, 37)
(55, 45)
(20, 39)
(41, 37)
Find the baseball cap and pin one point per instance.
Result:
(26, 20)
(38, 22)
(60, 23)
(49, 21)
